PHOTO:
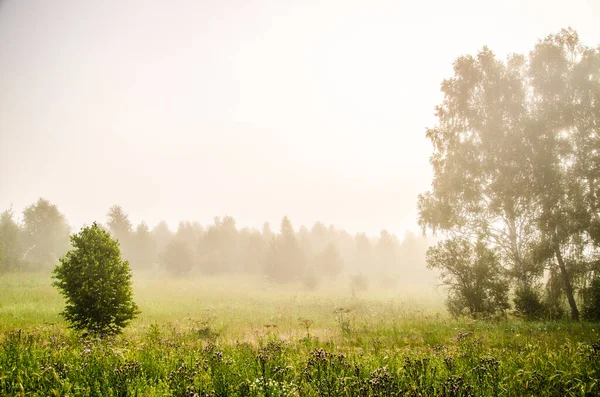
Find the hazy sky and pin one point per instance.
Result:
(257, 109)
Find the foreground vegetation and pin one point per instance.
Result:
(245, 337)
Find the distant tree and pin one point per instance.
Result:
(267, 233)
(253, 248)
(229, 245)
(118, 222)
(344, 242)
(11, 244)
(411, 258)
(386, 263)
(412, 251)
(177, 258)
(162, 236)
(320, 237)
(473, 273)
(143, 249)
(363, 257)
(45, 234)
(121, 228)
(180, 255)
(328, 261)
(285, 260)
(385, 251)
(189, 233)
(305, 242)
(212, 258)
(221, 247)
(96, 283)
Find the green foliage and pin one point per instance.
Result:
(591, 302)
(340, 346)
(474, 276)
(96, 283)
(524, 360)
(528, 303)
(515, 158)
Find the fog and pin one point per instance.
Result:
(316, 257)
(273, 139)
(256, 109)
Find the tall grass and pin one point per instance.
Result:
(204, 337)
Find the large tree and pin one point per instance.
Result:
(482, 178)
(564, 77)
(511, 157)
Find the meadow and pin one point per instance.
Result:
(241, 336)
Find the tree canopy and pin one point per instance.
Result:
(516, 159)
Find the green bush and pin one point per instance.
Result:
(591, 301)
(476, 280)
(96, 283)
(528, 303)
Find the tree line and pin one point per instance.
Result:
(319, 254)
(516, 186)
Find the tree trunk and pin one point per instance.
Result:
(567, 283)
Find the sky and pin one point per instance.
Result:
(187, 110)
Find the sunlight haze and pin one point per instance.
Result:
(256, 109)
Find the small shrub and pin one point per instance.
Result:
(591, 301)
(528, 303)
(96, 283)
(476, 280)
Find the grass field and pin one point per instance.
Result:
(244, 337)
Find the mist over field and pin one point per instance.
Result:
(276, 198)
(316, 111)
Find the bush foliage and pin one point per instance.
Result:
(96, 283)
